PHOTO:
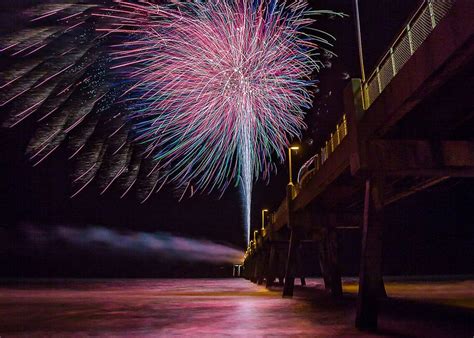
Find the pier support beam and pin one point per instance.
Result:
(270, 273)
(291, 262)
(329, 258)
(252, 268)
(262, 265)
(370, 276)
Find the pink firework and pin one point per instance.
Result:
(219, 87)
(212, 90)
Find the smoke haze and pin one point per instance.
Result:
(160, 244)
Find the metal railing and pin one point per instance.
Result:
(418, 28)
(311, 166)
(314, 163)
(414, 33)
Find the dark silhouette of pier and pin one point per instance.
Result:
(408, 127)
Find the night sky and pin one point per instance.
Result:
(427, 233)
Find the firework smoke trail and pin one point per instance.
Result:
(161, 244)
(218, 87)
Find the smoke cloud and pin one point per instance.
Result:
(160, 244)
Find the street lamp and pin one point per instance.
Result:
(361, 52)
(289, 162)
(263, 218)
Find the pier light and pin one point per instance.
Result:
(263, 218)
(294, 148)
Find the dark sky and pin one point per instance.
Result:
(40, 195)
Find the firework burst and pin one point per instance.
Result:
(219, 87)
(198, 94)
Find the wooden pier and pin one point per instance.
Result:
(409, 127)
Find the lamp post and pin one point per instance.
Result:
(289, 162)
(361, 52)
(263, 218)
(359, 39)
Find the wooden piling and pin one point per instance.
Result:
(370, 278)
(291, 262)
(271, 267)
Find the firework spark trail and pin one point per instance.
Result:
(211, 90)
(219, 87)
(246, 176)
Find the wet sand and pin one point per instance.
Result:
(223, 307)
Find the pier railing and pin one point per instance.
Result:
(418, 28)
(411, 37)
(314, 163)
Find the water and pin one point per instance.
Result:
(204, 308)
